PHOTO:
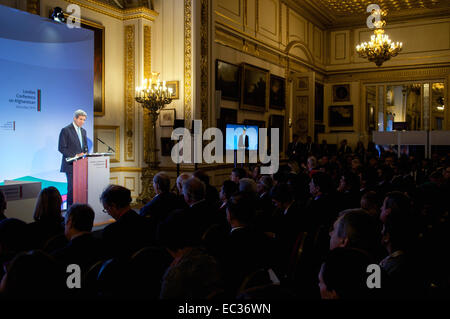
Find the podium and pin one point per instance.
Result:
(90, 178)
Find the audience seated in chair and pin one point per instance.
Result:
(130, 231)
(193, 274)
(162, 204)
(355, 228)
(211, 193)
(246, 248)
(238, 173)
(405, 266)
(228, 188)
(47, 217)
(13, 240)
(33, 275)
(146, 269)
(83, 248)
(201, 215)
(343, 275)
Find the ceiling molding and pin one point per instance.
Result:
(321, 11)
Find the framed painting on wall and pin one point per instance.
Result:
(174, 85)
(228, 80)
(341, 115)
(277, 92)
(167, 117)
(341, 93)
(226, 116)
(302, 83)
(99, 63)
(166, 146)
(255, 88)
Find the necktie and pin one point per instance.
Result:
(79, 136)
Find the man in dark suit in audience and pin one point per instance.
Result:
(246, 249)
(162, 204)
(294, 148)
(289, 219)
(322, 209)
(201, 214)
(308, 149)
(265, 207)
(72, 142)
(211, 195)
(131, 231)
(344, 148)
(83, 248)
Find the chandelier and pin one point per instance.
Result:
(380, 48)
(153, 96)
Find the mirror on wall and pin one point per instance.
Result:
(437, 106)
(403, 109)
(371, 102)
(405, 106)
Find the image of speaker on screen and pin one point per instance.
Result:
(241, 137)
(72, 142)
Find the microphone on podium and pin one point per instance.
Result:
(109, 147)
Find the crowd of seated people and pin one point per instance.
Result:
(309, 231)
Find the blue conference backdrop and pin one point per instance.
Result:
(47, 73)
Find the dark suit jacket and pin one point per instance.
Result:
(202, 216)
(247, 250)
(127, 235)
(41, 231)
(69, 145)
(264, 219)
(294, 150)
(84, 250)
(159, 208)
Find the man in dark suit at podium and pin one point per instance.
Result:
(72, 142)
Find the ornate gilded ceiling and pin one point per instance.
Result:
(346, 8)
(343, 13)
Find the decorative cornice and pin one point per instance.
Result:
(325, 17)
(116, 13)
(425, 72)
(129, 92)
(187, 62)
